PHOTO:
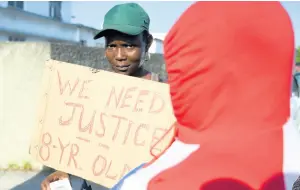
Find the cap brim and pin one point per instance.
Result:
(130, 30)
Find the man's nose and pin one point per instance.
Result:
(120, 54)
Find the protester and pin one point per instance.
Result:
(230, 86)
(126, 32)
(295, 100)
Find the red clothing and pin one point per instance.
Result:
(229, 66)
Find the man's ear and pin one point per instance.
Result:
(149, 42)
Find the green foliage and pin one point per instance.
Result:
(27, 166)
(13, 166)
(298, 55)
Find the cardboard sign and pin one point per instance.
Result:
(99, 125)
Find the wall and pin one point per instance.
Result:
(158, 42)
(160, 36)
(20, 22)
(94, 57)
(37, 7)
(34, 39)
(3, 3)
(66, 11)
(156, 47)
(20, 72)
(17, 22)
(3, 36)
(2, 109)
(152, 48)
(159, 46)
(42, 8)
(84, 34)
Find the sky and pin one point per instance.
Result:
(163, 14)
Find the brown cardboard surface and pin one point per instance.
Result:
(99, 125)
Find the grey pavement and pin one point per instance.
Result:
(18, 180)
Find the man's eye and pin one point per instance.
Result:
(129, 46)
(111, 46)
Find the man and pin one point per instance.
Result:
(127, 37)
(229, 68)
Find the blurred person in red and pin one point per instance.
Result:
(230, 83)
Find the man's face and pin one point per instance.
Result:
(124, 52)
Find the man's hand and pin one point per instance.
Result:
(55, 176)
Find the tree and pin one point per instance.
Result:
(298, 55)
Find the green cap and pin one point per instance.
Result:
(128, 18)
